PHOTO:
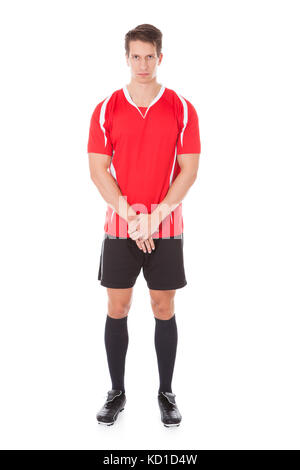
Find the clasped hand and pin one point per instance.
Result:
(140, 229)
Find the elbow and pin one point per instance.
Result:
(96, 176)
(192, 177)
(93, 177)
(189, 175)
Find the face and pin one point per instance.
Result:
(143, 61)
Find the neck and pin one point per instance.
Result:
(143, 93)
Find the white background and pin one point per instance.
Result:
(236, 375)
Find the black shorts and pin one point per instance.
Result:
(121, 261)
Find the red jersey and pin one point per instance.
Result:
(144, 143)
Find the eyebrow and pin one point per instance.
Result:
(140, 56)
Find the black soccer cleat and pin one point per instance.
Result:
(170, 414)
(114, 404)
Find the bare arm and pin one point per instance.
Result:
(110, 191)
(189, 164)
(107, 186)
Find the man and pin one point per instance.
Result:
(147, 136)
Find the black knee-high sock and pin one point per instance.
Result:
(165, 344)
(116, 343)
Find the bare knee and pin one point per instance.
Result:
(164, 313)
(119, 302)
(163, 308)
(118, 309)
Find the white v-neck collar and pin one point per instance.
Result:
(128, 97)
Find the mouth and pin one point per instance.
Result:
(143, 74)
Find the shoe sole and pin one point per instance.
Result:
(171, 425)
(113, 422)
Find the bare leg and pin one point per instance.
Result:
(162, 303)
(119, 302)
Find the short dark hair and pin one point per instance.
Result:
(145, 33)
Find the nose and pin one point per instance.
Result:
(143, 65)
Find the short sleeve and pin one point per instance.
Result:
(99, 135)
(189, 134)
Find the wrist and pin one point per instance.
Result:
(160, 213)
(130, 213)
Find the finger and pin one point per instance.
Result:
(148, 246)
(135, 235)
(152, 243)
(131, 234)
(133, 228)
(141, 245)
